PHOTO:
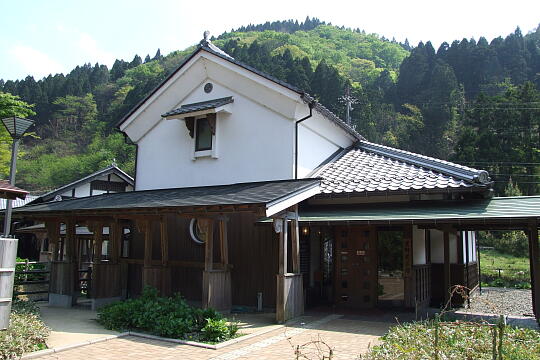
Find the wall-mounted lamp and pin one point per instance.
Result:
(305, 230)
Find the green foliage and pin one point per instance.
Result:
(501, 269)
(26, 331)
(415, 341)
(218, 330)
(169, 317)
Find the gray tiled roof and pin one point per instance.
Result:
(203, 105)
(256, 193)
(361, 170)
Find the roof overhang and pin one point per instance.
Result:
(264, 198)
(8, 191)
(509, 212)
(201, 108)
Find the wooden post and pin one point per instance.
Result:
(295, 240)
(164, 241)
(71, 236)
(97, 229)
(8, 252)
(282, 246)
(216, 282)
(447, 274)
(115, 236)
(144, 227)
(289, 287)
(223, 241)
(534, 259)
(53, 233)
(207, 227)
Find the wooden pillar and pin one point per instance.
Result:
(534, 258)
(207, 228)
(447, 274)
(115, 237)
(295, 242)
(282, 229)
(216, 282)
(53, 233)
(289, 289)
(164, 237)
(97, 229)
(71, 238)
(223, 241)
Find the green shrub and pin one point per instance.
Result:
(26, 331)
(170, 317)
(217, 330)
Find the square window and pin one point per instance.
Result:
(203, 135)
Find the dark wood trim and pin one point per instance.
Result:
(534, 258)
(447, 273)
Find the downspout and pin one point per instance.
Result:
(311, 106)
(128, 141)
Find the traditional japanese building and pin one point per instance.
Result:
(247, 188)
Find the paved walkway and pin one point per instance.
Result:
(70, 326)
(348, 336)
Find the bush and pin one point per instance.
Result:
(217, 330)
(26, 332)
(169, 317)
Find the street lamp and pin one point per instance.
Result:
(16, 127)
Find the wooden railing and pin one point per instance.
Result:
(421, 279)
(32, 278)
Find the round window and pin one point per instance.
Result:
(195, 232)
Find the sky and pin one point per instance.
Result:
(40, 37)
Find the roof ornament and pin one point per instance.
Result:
(205, 41)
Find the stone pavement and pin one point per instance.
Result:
(348, 336)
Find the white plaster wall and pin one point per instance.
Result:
(253, 142)
(472, 246)
(437, 247)
(419, 246)
(318, 139)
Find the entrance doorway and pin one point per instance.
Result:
(356, 267)
(391, 283)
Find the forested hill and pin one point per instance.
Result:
(471, 101)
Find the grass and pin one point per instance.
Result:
(415, 341)
(514, 273)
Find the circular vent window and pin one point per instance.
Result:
(195, 232)
(208, 87)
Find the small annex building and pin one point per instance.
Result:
(248, 189)
(33, 235)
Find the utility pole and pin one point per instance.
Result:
(348, 100)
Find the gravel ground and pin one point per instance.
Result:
(502, 301)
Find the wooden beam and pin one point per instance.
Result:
(447, 273)
(164, 240)
(534, 259)
(223, 241)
